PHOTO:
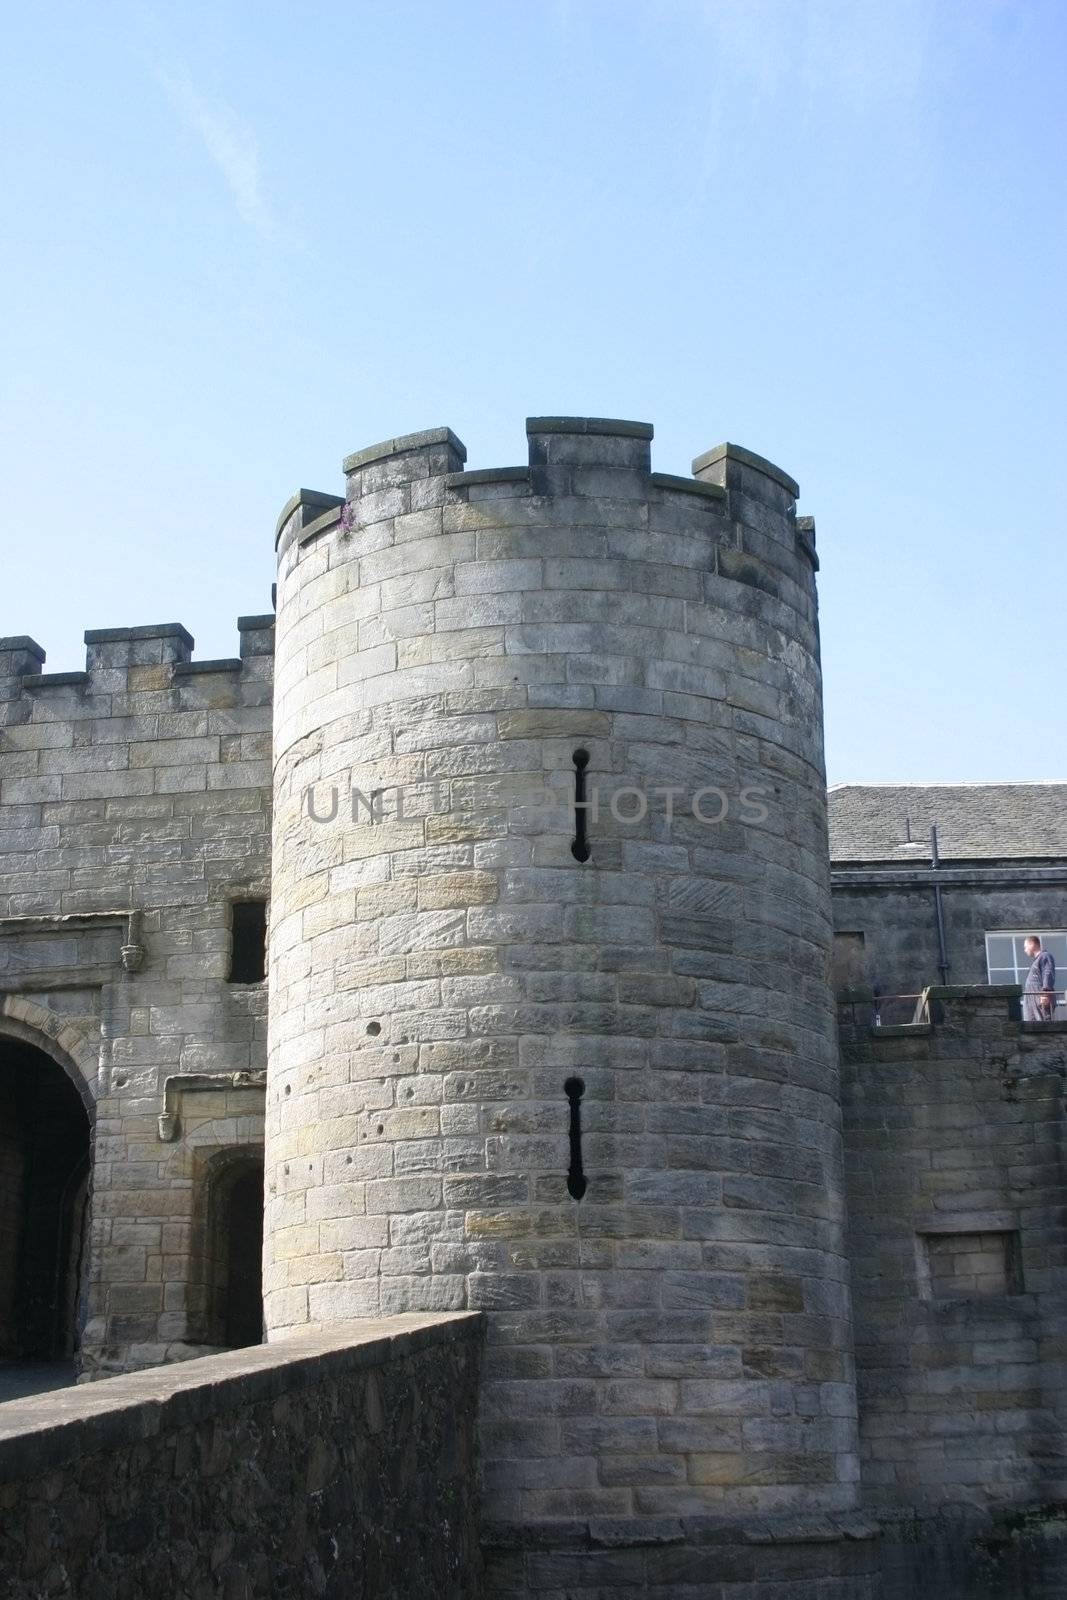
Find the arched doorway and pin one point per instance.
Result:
(44, 1205)
(234, 1247)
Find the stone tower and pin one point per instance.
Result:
(550, 1027)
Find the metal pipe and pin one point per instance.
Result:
(939, 910)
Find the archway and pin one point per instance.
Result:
(234, 1247)
(44, 1205)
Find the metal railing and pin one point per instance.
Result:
(917, 1010)
(900, 1010)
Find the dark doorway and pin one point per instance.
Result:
(44, 1206)
(235, 1248)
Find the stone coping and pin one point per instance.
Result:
(192, 669)
(402, 445)
(746, 458)
(256, 624)
(628, 1532)
(152, 630)
(304, 497)
(668, 480)
(46, 1431)
(973, 991)
(53, 680)
(22, 642)
(461, 480)
(609, 425)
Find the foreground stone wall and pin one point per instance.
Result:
(339, 1466)
(134, 809)
(957, 1187)
(672, 1336)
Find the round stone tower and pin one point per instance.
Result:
(551, 1031)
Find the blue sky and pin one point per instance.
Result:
(246, 239)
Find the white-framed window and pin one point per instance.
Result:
(1008, 962)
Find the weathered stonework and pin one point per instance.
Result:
(954, 1140)
(552, 1040)
(678, 1341)
(134, 808)
(331, 1465)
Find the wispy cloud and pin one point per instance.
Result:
(229, 142)
(862, 54)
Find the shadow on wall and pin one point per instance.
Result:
(227, 1289)
(44, 1206)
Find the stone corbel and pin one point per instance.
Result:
(132, 951)
(187, 1082)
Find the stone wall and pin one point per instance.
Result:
(338, 1465)
(957, 1183)
(134, 809)
(798, 1557)
(669, 1329)
(894, 910)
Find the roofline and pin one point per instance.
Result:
(969, 783)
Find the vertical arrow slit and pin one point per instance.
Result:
(577, 1184)
(580, 848)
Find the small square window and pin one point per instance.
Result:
(958, 1266)
(248, 941)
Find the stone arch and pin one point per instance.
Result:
(46, 1152)
(55, 1036)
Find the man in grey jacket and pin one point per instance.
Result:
(1039, 992)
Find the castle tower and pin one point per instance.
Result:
(570, 1064)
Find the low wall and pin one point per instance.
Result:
(339, 1464)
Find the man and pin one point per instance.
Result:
(1039, 993)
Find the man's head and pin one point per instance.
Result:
(1031, 944)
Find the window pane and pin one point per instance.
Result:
(999, 950)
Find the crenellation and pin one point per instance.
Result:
(582, 1077)
(125, 760)
(538, 611)
(20, 656)
(300, 511)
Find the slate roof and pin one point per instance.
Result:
(975, 821)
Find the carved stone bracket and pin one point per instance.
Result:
(190, 1082)
(132, 952)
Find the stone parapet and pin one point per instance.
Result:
(340, 1462)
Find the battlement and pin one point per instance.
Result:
(748, 502)
(151, 656)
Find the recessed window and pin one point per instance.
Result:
(248, 941)
(959, 1266)
(1008, 962)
